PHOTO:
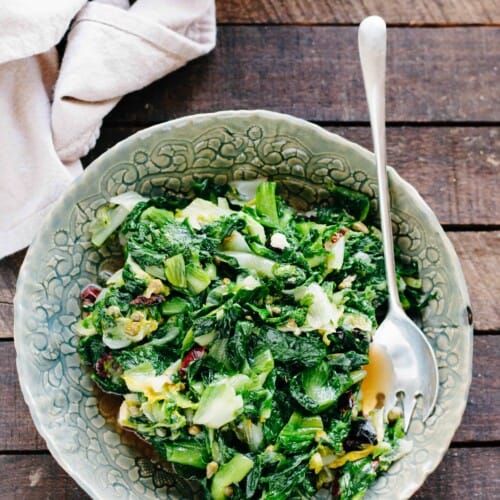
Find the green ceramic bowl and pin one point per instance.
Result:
(77, 423)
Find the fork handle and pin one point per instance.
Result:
(372, 51)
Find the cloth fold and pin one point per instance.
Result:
(49, 116)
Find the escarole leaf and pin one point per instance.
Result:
(261, 265)
(175, 270)
(129, 329)
(201, 212)
(302, 350)
(219, 404)
(158, 216)
(197, 278)
(265, 203)
(299, 433)
(314, 388)
(109, 217)
(231, 472)
(192, 453)
(319, 387)
(352, 202)
(107, 221)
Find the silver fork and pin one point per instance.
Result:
(414, 364)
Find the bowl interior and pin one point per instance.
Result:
(77, 423)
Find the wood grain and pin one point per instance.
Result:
(17, 431)
(464, 473)
(455, 169)
(6, 320)
(313, 72)
(408, 12)
(479, 254)
(36, 477)
(482, 415)
(9, 269)
(39, 477)
(480, 423)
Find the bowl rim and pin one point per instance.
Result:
(24, 275)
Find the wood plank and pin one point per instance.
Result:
(473, 470)
(464, 473)
(409, 12)
(480, 422)
(9, 269)
(460, 191)
(479, 254)
(17, 430)
(314, 73)
(6, 320)
(482, 415)
(36, 477)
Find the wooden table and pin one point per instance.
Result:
(300, 57)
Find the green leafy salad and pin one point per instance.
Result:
(237, 331)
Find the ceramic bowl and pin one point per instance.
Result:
(78, 424)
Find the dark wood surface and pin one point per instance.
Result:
(339, 12)
(443, 110)
(433, 74)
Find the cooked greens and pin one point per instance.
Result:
(237, 331)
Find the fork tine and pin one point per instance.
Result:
(429, 402)
(409, 402)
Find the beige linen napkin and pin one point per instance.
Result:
(51, 116)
